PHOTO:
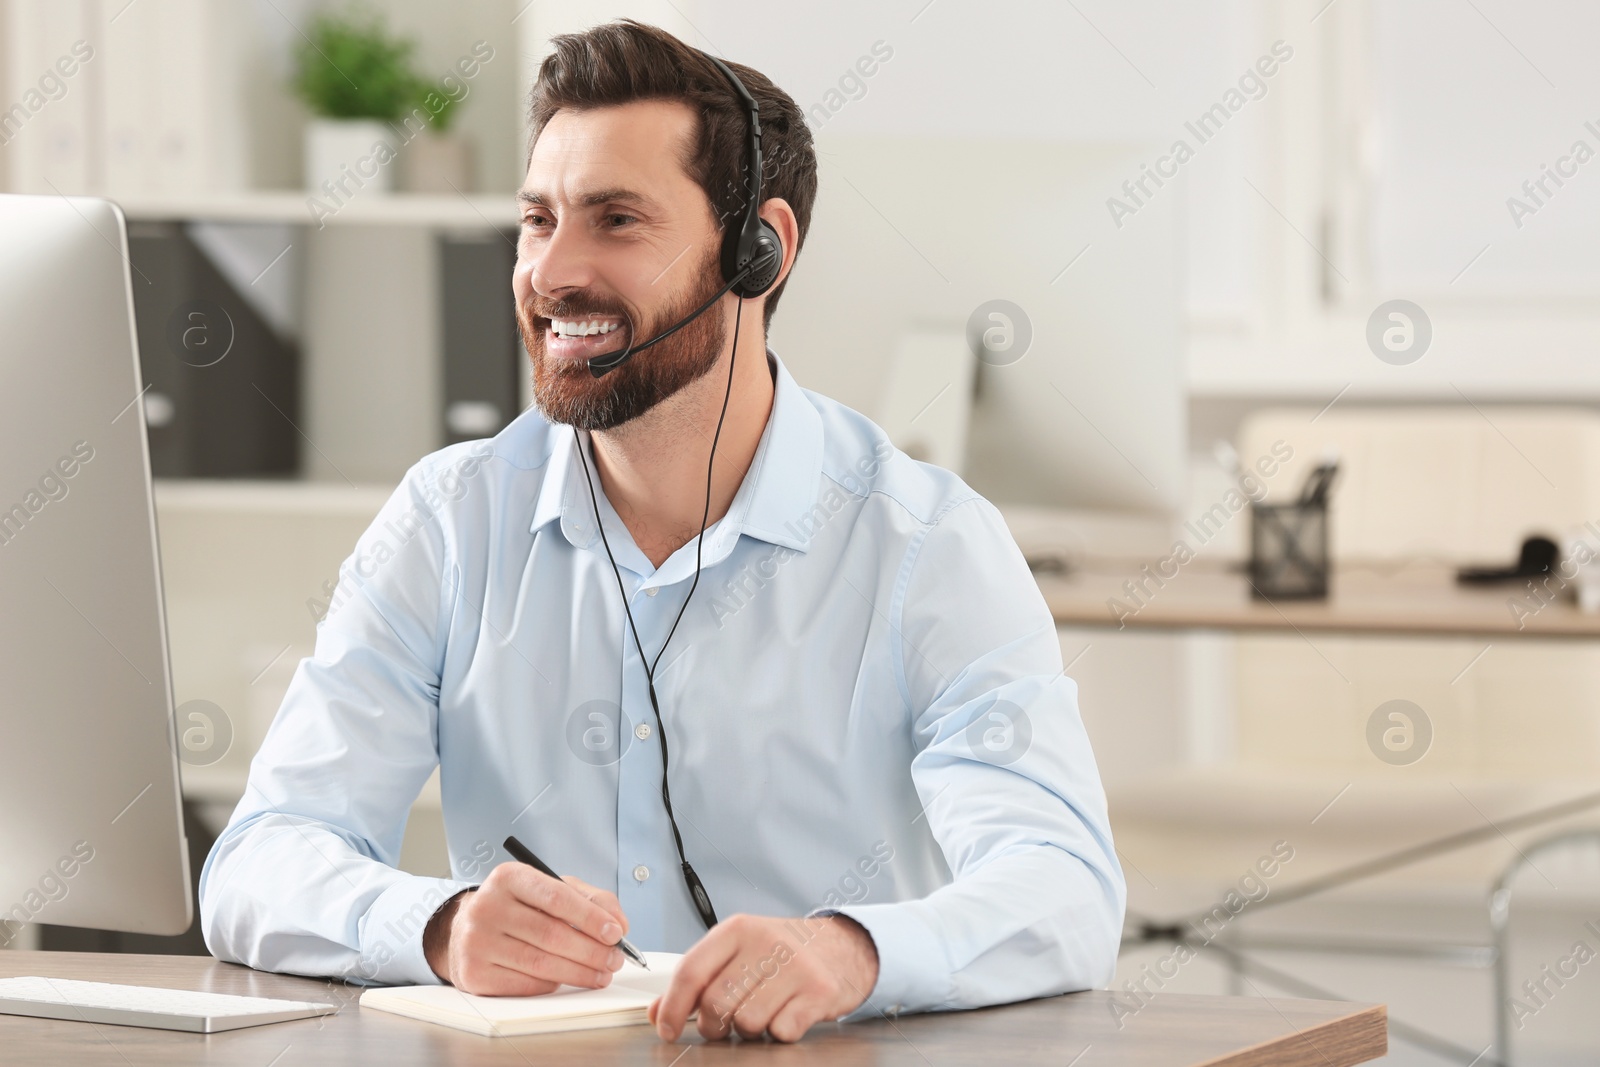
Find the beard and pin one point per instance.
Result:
(565, 390)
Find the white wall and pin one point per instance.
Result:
(1033, 71)
(1469, 106)
(1377, 153)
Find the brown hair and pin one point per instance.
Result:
(624, 61)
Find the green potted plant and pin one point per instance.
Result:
(357, 80)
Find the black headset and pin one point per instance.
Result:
(752, 255)
(751, 258)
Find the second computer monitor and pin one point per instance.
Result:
(920, 235)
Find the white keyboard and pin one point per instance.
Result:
(137, 1005)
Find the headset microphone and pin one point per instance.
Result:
(610, 361)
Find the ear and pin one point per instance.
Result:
(780, 216)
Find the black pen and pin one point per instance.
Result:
(523, 854)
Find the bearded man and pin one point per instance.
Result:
(764, 689)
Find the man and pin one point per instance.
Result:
(684, 624)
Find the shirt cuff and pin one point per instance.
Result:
(912, 972)
(391, 932)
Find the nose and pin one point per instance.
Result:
(528, 279)
(561, 263)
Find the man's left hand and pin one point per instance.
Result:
(754, 975)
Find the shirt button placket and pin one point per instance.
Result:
(638, 775)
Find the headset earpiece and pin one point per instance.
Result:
(753, 250)
(760, 252)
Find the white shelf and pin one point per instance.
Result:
(225, 782)
(1477, 351)
(367, 207)
(262, 497)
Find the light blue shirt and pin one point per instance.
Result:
(865, 703)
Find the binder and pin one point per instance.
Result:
(482, 350)
(223, 392)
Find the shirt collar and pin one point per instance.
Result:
(780, 487)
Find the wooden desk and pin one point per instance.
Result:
(1172, 1030)
(1417, 600)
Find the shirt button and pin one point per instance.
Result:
(640, 873)
(642, 731)
(652, 591)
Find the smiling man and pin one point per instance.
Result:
(767, 691)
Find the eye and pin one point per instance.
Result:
(616, 220)
(535, 218)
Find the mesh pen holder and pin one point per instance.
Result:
(1289, 551)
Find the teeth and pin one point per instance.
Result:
(583, 327)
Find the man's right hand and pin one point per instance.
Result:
(523, 933)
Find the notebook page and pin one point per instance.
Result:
(631, 990)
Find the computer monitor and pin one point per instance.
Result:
(92, 834)
(910, 236)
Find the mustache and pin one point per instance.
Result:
(575, 307)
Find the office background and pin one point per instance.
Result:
(1338, 157)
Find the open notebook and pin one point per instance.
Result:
(622, 1003)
